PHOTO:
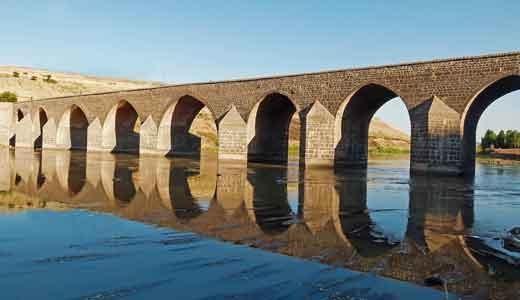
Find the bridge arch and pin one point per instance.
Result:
(352, 122)
(187, 128)
(72, 129)
(19, 115)
(40, 120)
(475, 108)
(269, 128)
(121, 129)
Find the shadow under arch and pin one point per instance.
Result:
(474, 110)
(357, 225)
(268, 128)
(353, 119)
(269, 200)
(187, 128)
(41, 120)
(121, 129)
(72, 129)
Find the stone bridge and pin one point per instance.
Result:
(252, 117)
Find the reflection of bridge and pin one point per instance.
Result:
(248, 206)
(444, 98)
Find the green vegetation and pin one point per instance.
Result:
(294, 149)
(48, 79)
(509, 139)
(380, 150)
(8, 97)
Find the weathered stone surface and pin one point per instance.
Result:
(445, 99)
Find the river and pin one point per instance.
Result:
(89, 226)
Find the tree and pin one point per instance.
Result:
(8, 97)
(489, 140)
(510, 139)
(501, 140)
(516, 139)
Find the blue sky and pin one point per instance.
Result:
(187, 41)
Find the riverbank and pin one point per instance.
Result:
(500, 156)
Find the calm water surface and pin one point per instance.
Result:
(380, 221)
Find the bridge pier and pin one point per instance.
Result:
(436, 143)
(6, 123)
(317, 136)
(232, 136)
(95, 136)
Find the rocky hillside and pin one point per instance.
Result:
(382, 137)
(30, 83)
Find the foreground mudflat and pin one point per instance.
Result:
(83, 255)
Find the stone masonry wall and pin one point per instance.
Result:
(454, 82)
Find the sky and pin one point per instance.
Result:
(191, 41)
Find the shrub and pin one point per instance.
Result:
(48, 79)
(16, 74)
(34, 77)
(8, 97)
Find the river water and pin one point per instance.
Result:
(381, 221)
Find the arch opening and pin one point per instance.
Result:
(359, 132)
(273, 130)
(42, 120)
(188, 129)
(474, 111)
(19, 117)
(121, 131)
(72, 129)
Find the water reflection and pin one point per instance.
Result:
(270, 204)
(375, 221)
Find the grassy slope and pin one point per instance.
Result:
(66, 83)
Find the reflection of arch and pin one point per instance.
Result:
(72, 129)
(353, 121)
(268, 128)
(270, 206)
(71, 171)
(117, 178)
(440, 209)
(185, 190)
(121, 128)
(187, 128)
(41, 120)
(474, 110)
(356, 223)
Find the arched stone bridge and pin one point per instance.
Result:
(444, 98)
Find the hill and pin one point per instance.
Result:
(385, 138)
(32, 84)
